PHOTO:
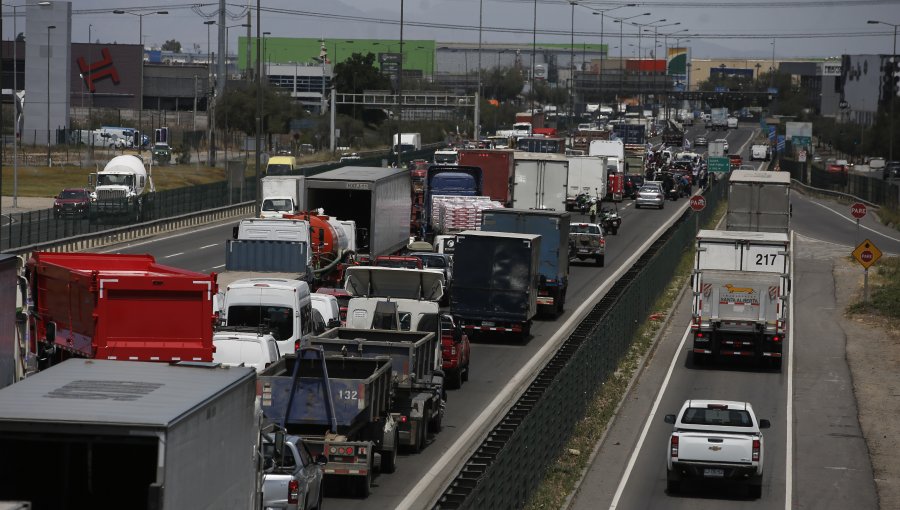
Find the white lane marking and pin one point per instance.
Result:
(173, 255)
(436, 477)
(637, 449)
(789, 412)
(851, 220)
(208, 246)
(220, 266)
(121, 246)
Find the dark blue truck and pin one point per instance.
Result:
(553, 227)
(495, 281)
(450, 180)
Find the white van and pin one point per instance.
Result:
(328, 306)
(278, 305)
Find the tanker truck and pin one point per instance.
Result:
(123, 189)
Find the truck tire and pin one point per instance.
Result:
(437, 421)
(363, 485)
(422, 437)
(455, 379)
(601, 260)
(465, 374)
(673, 483)
(754, 489)
(699, 359)
(775, 363)
(389, 458)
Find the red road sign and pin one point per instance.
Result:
(698, 203)
(866, 256)
(858, 210)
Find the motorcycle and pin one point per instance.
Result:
(610, 220)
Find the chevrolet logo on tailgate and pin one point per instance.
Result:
(715, 448)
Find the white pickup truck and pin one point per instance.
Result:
(715, 440)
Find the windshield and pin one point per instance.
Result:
(649, 189)
(444, 158)
(276, 169)
(428, 261)
(73, 193)
(115, 180)
(585, 229)
(723, 417)
(401, 263)
(278, 319)
(277, 204)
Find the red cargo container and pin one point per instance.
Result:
(645, 65)
(125, 307)
(497, 167)
(615, 184)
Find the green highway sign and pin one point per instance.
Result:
(801, 141)
(718, 165)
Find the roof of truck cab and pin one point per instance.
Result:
(760, 176)
(113, 393)
(357, 173)
(511, 235)
(735, 235)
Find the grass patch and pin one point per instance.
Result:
(884, 290)
(565, 472)
(890, 217)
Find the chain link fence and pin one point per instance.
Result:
(512, 461)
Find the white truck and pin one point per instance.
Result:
(614, 150)
(718, 118)
(123, 189)
(759, 201)
(741, 282)
(587, 175)
(540, 181)
(282, 194)
(408, 141)
(715, 440)
(759, 152)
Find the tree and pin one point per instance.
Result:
(236, 110)
(172, 45)
(503, 83)
(355, 75)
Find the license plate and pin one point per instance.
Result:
(713, 473)
(584, 251)
(487, 323)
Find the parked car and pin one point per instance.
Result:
(72, 202)
(651, 195)
(701, 141)
(715, 440)
(292, 480)
(455, 352)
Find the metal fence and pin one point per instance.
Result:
(512, 461)
(869, 188)
(41, 226)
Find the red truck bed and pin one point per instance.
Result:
(497, 167)
(125, 307)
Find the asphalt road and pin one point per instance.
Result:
(493, 363)
(815, 455)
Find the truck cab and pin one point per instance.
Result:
(281, 165)
(281, 306)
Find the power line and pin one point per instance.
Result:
(702, 5)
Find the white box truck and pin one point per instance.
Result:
(587, 175)
(759, 201)
(282, 194)
(540, 181)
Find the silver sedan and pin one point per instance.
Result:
(650, 195)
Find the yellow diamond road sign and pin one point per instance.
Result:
(866, 253)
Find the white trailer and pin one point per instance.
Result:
(741, 282)
(587, 174)
(540, 181)
(759, 201)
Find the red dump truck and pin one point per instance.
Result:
(122, 307)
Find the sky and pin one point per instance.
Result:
(715, 28)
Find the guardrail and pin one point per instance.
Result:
(509, 463)
(863, 188)
(127, 233)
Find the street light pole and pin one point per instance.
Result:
(49, 55)
(621, 22)
(571, 67)
(140, 16)
(602, 13)
(477, 127)
(533, 54)
(895, 92)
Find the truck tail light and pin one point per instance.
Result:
(756, 450)
(293, 492)
(699, 335)
(674, 447)
(297, 345)
(776, 338)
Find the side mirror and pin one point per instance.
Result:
(670, 418)
(234, 232)
(279, 443)
(764, 424)
(321, 459)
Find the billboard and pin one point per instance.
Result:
(792, 129)
(677, 61)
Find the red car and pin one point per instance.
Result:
(72, 202)
(455, 351)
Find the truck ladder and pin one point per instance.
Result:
(312, 353)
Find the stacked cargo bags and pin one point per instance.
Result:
(455, 214)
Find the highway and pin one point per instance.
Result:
(815, 455)
(493, 363)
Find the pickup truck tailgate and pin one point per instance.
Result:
(715, 448)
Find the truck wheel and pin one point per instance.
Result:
(389, 458)
(754, 490)
(465, 374)
(775, 363)
(615, 231)
(454, 379)
(601, 260)
(699, 359)
(423, 436)
(673, 486)
(437, 421)
(363, 485)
